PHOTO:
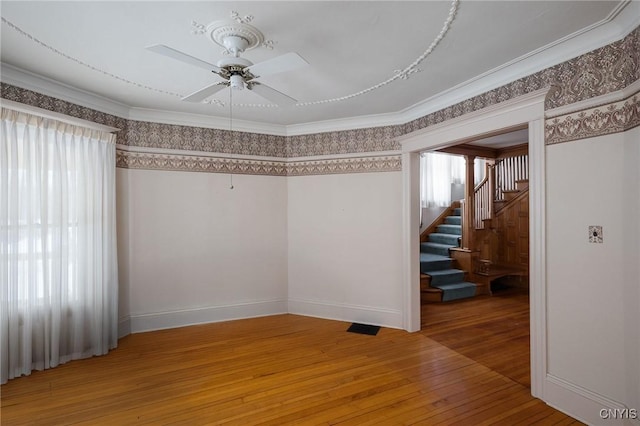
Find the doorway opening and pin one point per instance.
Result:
(527, 112)
(475, 294)
(474, 204)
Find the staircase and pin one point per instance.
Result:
(503, 242)
(439, 279)
(494, 235)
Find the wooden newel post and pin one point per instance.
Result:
(468, 226)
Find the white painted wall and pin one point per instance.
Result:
(195, 251)
(593, 290)
(191, 250)
(631, 282)
(429, 215)
(345, 235)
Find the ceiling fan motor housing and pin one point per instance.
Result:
(235, 44)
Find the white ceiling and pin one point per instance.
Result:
(99, 47)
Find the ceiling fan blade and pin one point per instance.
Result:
(272, 94)
(287, 62)
(180, 56)
(205, 92)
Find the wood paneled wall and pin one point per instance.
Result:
(511, 225)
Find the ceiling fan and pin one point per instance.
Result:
(237, 72)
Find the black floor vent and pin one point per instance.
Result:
(370, 330)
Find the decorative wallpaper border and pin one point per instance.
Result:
(604, 70)
(392, 163)
(189, 163)
(598, 121)
(29, 97)
(369, 139)
(158, 135)
(187, 138)
(601, 71)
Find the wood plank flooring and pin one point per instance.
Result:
(284, 369)
(491, 330)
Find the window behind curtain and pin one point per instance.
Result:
(58, 251)
(438, 172)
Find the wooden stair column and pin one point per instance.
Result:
(468, 226)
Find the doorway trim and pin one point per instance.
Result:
(523, 111)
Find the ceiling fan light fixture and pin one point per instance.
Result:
(239, 73)
(236, 82)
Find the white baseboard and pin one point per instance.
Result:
(163, 320)
(341, 312)
(585, 405)
(344, 312)
(124, 326)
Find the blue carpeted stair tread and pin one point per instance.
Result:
(430, 257)
(454, 291)
(437, 245)
(435, 248)
(435, 260)
(450, 229)
(453, 286)
(449, 239)
(445, 272)
(453, 220)
(446, 276)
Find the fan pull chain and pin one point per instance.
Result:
(231, 136)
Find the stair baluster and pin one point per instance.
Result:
(508, 172)
(483, 201)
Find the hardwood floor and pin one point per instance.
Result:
(491, 330)
(283, 369)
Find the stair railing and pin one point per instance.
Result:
(508, 171)
(500, 177)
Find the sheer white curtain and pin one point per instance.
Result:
(437, 172)
(58, 263)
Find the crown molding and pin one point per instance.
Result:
(614, 27)
(519, 110)
(620, 22)
(349, 123)
(617, 25)
(27, 80)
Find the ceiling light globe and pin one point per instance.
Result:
(237, 82)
